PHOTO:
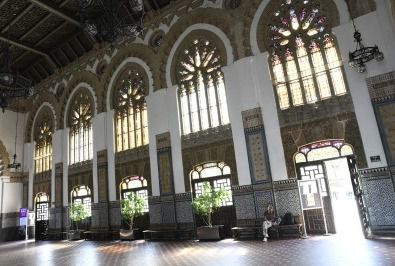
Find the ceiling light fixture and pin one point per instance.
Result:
(12, 85)
(362, 54)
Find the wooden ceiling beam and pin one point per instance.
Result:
(51, 33)
(17, 18)
(22, 45)
(56, 11)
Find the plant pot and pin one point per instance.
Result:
(74, 235)
(216, 232)
(127, 234)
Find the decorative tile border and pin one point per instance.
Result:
(183, 196)
(382, 87)
(285, 184)
(240, 190)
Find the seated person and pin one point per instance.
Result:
(269, 219)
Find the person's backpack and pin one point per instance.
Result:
(288, 219)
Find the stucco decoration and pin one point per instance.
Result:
(221, 19)
(4, 157)
(327, 7)
(83, 79)
(44, 99)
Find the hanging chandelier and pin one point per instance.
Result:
(110, 20)
(362, 54)
(12, 85)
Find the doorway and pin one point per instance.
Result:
(341, 194)
(335, 204)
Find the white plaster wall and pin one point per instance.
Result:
(11, 196)
(8, 133)
(373, 32)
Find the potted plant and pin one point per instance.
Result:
(131, 208)
(78, 213)
(205, 205)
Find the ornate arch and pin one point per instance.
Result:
(85, 80)
(135, 53)
(185, 41)
(81, 89)
(46, 112)
(207, 18)
(45, 99)
(258, 34)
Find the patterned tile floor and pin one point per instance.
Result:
(329, 250)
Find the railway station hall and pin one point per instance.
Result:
(197, 132)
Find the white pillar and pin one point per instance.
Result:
(99, 143)
(267, 101)
(240, 97)
(111, 155)
(29, 165)
(65, 160)
(175, 136)
(57, 157)
(154, 126)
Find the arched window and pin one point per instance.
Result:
(82, 194)
(305, 64)
(42, 207)
(217, 174)
(80, 122)
(135, 184)
(43, 148)
(131, 121)
(201, 91)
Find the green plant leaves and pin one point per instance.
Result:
(210, 200)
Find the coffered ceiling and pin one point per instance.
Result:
(47, 34)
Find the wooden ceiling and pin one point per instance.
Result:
(47, 34)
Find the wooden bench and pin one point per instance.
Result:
(167, 232)
(283, 231)
(248, 232)
(253, 230)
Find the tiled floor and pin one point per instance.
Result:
(329, 250)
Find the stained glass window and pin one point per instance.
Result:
(217, 174)
(131, 121)
(306, 67)
(201, 91)
(42, 207)
(138, 185)
(43, 148)
(81, 148)
(82, 194)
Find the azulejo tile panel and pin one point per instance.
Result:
(379, 198)
(287, 201)
(257, 154)
(262, 199)
(155, 214)
(184, 212)
(245, 206)
(168, 213)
